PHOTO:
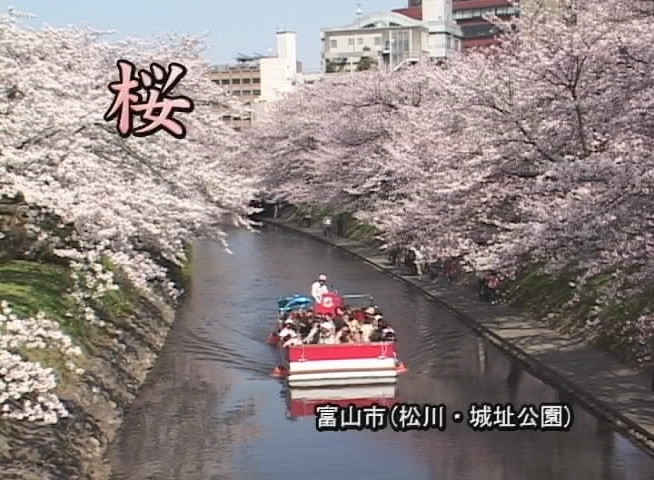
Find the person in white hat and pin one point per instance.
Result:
(318, 288)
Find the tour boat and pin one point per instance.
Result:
(345, 364)
(301, 402)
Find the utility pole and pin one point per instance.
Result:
(354, 38)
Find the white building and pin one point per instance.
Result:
(279, 73)
(387, 39)
(257, 79)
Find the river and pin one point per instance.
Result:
(210, 410)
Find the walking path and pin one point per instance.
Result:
(595, 379)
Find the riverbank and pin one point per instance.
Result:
(595, 379)
(117, 348)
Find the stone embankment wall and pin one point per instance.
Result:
(116, 361)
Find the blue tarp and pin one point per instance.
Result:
(294, 302)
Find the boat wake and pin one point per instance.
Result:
(202, 344)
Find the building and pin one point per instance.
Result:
(388, 39)
(243, 81)
(257, 79)
(469, 15)
(279, 73)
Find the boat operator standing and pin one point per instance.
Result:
(318, 288)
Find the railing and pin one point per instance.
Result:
(405, 63)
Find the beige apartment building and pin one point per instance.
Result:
(243, 81)
(257, 79)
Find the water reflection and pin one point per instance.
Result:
(210, 411)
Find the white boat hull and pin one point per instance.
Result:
(336, 379)
(345, 392)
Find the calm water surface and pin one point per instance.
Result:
(210, 410)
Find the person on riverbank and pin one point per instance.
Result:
(394, 254)
(327, 226)
(489, 284)
(450, 272)
(418, 261)
(340, 225)
(409, 258)
(492, 286)
(481, 286)
(318, 288)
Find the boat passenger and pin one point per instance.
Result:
(305, 324)
(366, 330)
(354, 327)
(343, 335)
(318, 288)
(292, 342)
(328, 323)
(326, 336)
(288, 330)
(384, 332)
(312, 337)
(388, 334)
(338, 322)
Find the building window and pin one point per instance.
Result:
(333, 43)
(256, 80)
(360, 40)
(400, 47)
(236, 81)
(236, 93)
(247, 93)
(225, 81)
(350, 42)
(378, 41)
(246, 80)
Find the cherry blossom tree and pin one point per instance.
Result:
(536, 152)
(131, 200)
(338, 148)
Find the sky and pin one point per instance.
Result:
(232, 27)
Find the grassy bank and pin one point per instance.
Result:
(553, 298)
(118, 347)
(31, 287)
